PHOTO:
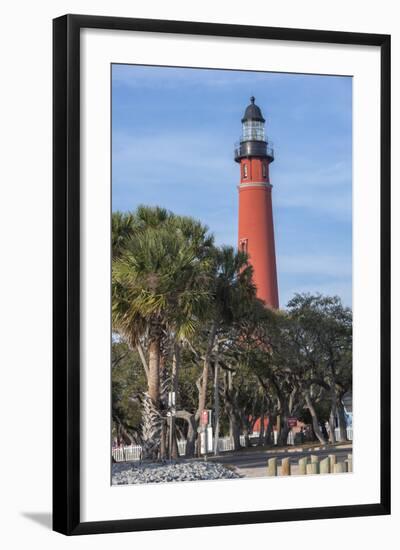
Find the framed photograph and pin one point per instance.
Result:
(221, 274)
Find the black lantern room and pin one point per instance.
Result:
(253, 142)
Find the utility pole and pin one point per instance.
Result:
(171, 416)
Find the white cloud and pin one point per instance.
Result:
(183, 149)
(173, 77)
(324, 189)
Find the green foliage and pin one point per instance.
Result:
(127, 384)
(171, 284)
(162, 277)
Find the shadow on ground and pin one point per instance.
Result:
(42, 518)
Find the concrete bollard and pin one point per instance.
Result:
(339, 468)
(303, 466)
(332, 459)
(272, 467)
(350, 463)
(312, 468)
(315, 460)
(325, 466)
(285, 470)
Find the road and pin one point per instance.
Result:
(253, 462)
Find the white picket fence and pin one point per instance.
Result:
(131, 453)
(349, 432)
(182, 447)
(128, 453)
(225, 444)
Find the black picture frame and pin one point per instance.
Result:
(66, 273)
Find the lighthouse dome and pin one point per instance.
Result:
(253, 112)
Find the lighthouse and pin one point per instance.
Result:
(256, 226)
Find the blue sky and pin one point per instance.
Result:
(173, 133)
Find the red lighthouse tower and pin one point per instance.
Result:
(256, 226)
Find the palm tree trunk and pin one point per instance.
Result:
(154, 372)
(234, 424)
(206, 368)
(143, 359)
(204, 379)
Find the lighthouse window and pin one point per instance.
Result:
(245, 170)
(253, 130)
(264, 170)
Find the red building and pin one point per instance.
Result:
(256, 226)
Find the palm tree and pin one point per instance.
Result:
(160, 284)
(122, 229)
(232, 291)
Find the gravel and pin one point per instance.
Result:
(124, 473)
